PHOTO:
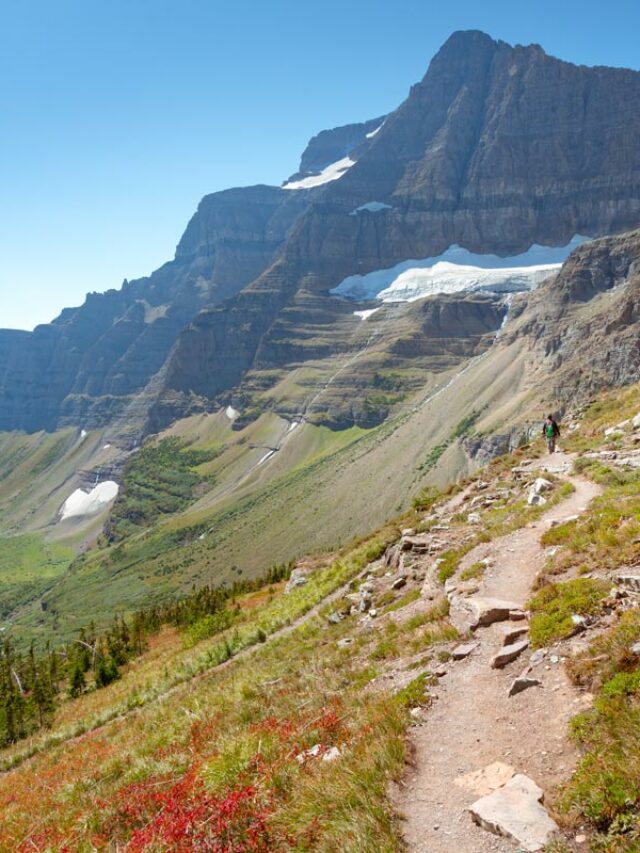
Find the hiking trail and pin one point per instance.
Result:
(473, 722)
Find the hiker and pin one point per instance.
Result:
(551, 431)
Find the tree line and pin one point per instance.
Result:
(34, 683)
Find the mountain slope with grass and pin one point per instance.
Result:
(313, 716)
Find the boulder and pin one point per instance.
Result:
(508, 654)
(298, 578)
(515, 811)
(399, 582)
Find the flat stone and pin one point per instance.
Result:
(522, 683)
(463, 650)
(483, 782)
(515, 811)
(486, 611)
(511, 633)
(508, 654)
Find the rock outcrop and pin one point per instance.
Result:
(497, 148)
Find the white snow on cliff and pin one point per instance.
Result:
(82, 503)
(371, 207)
(330, 173)
(458, 270)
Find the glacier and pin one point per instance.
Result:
(457, 270)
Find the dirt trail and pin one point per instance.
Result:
(474, 723)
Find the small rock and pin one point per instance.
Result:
(580, 839)
(635, 649)
(536, 500)
(331, 754)
(508, 654)
(399, 582)
(373, 613)
(408, 531)
(515, 810)
(554, 659)
(342, 644)
(334, 618)
(523, 682)
(464, 650)
(474, 518)
(440, 672)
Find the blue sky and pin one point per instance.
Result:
(117, 117)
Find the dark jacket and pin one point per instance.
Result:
(556, 428)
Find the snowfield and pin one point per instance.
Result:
(457, 270)
(371, 207)
(82, 503)
(231, 413)
(330, 173)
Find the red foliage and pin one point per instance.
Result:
(185, 817)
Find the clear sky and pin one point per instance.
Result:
(117, 116)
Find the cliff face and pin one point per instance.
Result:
(496, 148)
(86, 366)
(582, 329)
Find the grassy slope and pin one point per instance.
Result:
(237, 732)
(318, 492)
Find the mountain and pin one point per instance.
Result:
(496, 149)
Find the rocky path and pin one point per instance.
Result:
(473, 722)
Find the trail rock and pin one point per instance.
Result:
(399, 582)
(420, 543)
(629, 581)
(541, 485)
(463, 650)
(521, 683)
(516, 811)
(334, 618)
(512, 633)
(392, 556)
(508, 654)
(486, 611)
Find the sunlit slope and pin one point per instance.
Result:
(320, 489)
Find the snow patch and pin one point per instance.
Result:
(456, 270)
(373, 133)
(82, 503)
(266, 456)
(83, 433)
(293, 425)
(106, 446)
(371, 207)
(231, 413)
(364, 314)
(330, 173)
